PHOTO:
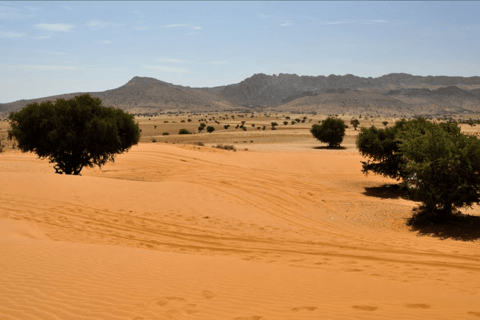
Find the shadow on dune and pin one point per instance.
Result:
(329, 148)
(386, 191)
(458, 226)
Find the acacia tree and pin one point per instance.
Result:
(74, 133)
(436, 162)
(381, 147)
(442, 166)
(331, 131)
(354, 123)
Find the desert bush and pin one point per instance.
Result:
(381, 146)
(226, 126)
(210, 129)
(226, 147)
(74, 133)
(165, 134)
(331, 131)
(184, 131)
(354, 123)
(441, 165)
(385, 123)
(153, 139)
(438, 164)
(285, 122)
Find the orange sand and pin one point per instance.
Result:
(183, 232)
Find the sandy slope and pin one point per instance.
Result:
(183, 232)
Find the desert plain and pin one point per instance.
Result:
(280, 228)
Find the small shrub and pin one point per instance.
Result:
(331, 131)
(210, 129)
(165, 134)
(184, 131)
(199, 143)
(225, 147)
(153, 139)
(285, 122)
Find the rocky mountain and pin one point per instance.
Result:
(143, 95)
(279, 89)
(396, 93)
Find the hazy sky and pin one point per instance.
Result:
(49, 48)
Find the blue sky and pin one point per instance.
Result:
(49, 48)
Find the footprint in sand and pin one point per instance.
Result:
(365, 308)
(171, 308)
(304, 309)
(418, 306)
(208, 294)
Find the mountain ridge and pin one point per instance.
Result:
(287, 92)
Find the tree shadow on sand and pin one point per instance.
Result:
(457, 226)
(329, 148)
(386, 191)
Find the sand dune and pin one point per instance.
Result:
(187, 232)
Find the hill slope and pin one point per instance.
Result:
(395, 93)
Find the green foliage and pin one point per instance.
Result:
(226, 126)
(442, 165)
(354, 123)
(438, 164)
(184, 131)
(165, 134)
(385, 123)
(74, 133)
(331, 131)
(210, 129)
(287, 118)
(202, 125)
(298, 120)
(381, 147)
(153, 139)
(285, 122)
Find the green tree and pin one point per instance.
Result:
(331, 131)
(442, 166)
(184, 131)
(74, 133)
(381, 147)
(354, 123)
(385, 123)
(210, 129)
